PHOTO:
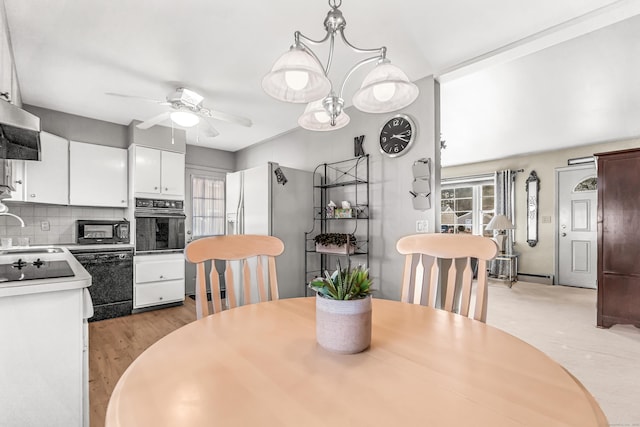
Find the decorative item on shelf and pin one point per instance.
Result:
(345, 211)
(533, 187)
(500, 224)
(343, 309)
(335, 243)
(331, 208)
(421, 185)
(358, 150)
(298, 76)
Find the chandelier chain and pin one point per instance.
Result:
(335, 4)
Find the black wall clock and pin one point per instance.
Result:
(397, 135)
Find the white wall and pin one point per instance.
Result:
(392, 214)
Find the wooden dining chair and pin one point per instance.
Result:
(422, 275)
(244, 248)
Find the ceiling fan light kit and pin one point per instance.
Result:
(184, 119)
(187, 110)
(298, 76)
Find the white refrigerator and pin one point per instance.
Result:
(276, 201)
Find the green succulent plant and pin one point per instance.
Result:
(343, 284)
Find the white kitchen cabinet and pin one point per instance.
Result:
(47, 181)
(42, 359)
(172, 173)
(157, 173)
(97, 175)
(17, 180)
(6, 60)
(158, 279)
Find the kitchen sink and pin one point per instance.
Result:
(31, 251)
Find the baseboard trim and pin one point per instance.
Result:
(545, 279)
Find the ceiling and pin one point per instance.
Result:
(516, 75)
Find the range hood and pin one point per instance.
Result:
(19, 133)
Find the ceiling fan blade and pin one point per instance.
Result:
(153, 120)
(121, 95)
(225, 117)
(209, 131)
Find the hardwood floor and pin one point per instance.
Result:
(115, 343)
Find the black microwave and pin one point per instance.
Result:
(92, 232)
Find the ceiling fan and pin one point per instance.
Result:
(186, 111)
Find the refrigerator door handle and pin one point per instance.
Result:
(240, 210)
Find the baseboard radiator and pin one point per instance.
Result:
(546, 279)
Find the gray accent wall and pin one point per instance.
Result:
(210, 158)
(392, 213)
(78, 128)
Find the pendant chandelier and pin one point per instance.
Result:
(298, 76)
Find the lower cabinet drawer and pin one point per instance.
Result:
(149, 294)
(156, 271)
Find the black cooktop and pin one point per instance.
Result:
(32, 270)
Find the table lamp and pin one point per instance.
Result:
(501, 224)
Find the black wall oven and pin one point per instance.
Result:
(159, 226)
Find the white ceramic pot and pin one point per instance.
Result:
(343, 326)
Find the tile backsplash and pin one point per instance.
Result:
(61, 220)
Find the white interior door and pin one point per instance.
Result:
(577, 228)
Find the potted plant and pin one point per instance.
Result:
(343, 309)
(335, 243)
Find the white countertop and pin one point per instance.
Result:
(81, 279)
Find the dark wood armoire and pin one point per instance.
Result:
(619, 237)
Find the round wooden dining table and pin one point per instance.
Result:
(260, 365)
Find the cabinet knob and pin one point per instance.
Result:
(161, 298)
(121, 201)
(18, 181)
(155, 188)
(32, 195)
(162, 277)
(166, 188)
(564, 234)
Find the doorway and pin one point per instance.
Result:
(204, 206)
(576, 228)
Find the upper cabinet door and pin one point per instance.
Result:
(47, 181)
(172, 174)
(98, 175)
(146, 170)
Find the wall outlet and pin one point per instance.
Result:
(545, 219)
(45, 226)
(422, 226)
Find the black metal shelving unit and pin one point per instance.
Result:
(344, 180)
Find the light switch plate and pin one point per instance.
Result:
(44, 226)
(422, 226)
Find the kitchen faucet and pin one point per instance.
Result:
(15, 216)
(4, 210)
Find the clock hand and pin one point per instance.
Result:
(400, 137)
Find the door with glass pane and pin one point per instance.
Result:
(467, 207)
(205, 211)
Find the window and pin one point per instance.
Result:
(467, 206)
(588, 184)
(207, 196)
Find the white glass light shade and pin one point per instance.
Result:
(296, 77)
(184, 119)
(316, 118)
(386, 88)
